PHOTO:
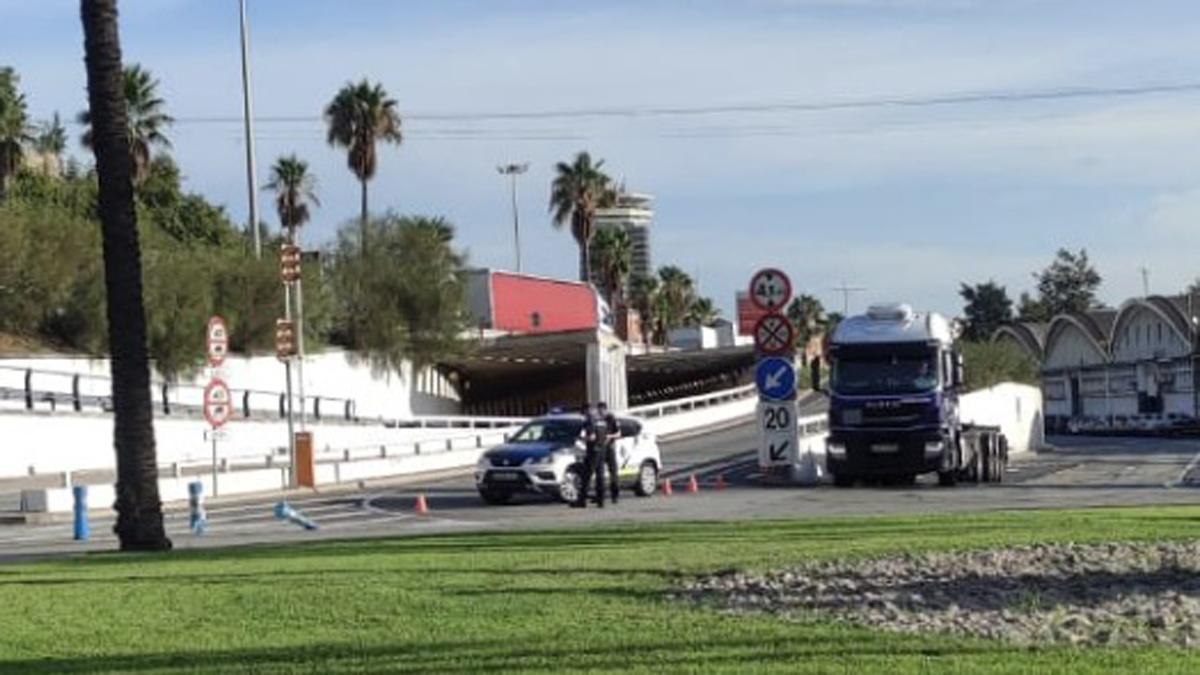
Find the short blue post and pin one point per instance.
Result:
(197, 518)
(82, 530)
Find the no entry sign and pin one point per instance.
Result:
(774, 334)
(770, 289)
(217, 403)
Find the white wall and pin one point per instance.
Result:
(53, 442)
(329, 374)
(1015, 408)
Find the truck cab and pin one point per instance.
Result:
(893, 409)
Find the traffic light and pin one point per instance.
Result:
(285, 338)
(289, 263)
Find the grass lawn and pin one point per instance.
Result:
(541, 601)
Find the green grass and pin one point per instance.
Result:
(541, 601)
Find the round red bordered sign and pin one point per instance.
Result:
(216, 341)
(218, 406)
(770, 289)
(774, 334)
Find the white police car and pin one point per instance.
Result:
(545, 457)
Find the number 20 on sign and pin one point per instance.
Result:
(778, 435)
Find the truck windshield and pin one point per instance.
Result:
(888, 375)
(548, 431)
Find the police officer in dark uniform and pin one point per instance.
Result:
(594, 432)
(612, 432)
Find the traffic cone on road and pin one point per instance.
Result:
(421, 508)
(720, 481)
(667, 491)
(693, 485)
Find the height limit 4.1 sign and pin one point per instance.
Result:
(778, 436)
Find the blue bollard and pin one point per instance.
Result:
(197, 518)
(82, 529)
(284, 511)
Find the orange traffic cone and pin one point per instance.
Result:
(720, 481)
(422, 507)
(667, 491)
(693, 485)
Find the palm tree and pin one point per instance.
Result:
(677, 292)
(643, 293)
(359, 116)
(139, 509)
(294, 188)
(613, 254)
(14, 127)
(579, 188)
(807, 314)
(50, 142)
(702, 313)
(145, 119)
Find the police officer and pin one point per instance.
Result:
(612, 432)
(594, 434)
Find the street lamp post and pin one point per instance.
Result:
(248, 111)
(512, 170)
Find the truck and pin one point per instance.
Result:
(894, 386)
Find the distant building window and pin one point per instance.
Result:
(1160, 333)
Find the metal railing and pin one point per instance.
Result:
(78, 392)
(693, 402)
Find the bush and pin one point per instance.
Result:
(990, 363)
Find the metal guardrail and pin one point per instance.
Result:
(693, 402)
(79, 392)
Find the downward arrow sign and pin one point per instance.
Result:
(775, 379)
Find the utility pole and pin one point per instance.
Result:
(248, 111)
(846, 290)
(512, 170)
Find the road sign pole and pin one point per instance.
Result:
(287, 372)
(213, 433)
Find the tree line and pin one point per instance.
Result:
(402, 271)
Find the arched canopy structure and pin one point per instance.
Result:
(1029, 337)
(1078, 339)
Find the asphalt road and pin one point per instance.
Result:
(1077, 473)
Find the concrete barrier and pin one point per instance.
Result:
(1015, 408)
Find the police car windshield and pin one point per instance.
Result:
(549, 431)
(887, 375)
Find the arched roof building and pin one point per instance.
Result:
(1136, 360)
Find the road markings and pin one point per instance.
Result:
(1182, 481)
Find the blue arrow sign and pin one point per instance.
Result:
(776, 379)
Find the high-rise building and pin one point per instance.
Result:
(633, 213)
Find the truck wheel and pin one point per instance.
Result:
(989, 464)
(978, 472)
(647, 481)
(948, 478)
(842, 480)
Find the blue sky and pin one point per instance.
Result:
(905, 200)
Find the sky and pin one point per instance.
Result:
(903, 146)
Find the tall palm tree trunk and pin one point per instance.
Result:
(363, 220)
(139, 510)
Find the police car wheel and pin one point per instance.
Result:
(572, 484)
(647, 481)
